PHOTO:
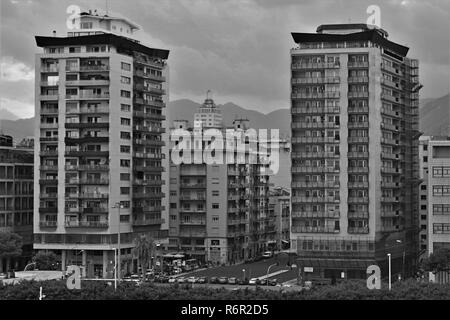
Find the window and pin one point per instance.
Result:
(124, 190)
(173, 205)
(125, 107)
(125, 149)
(125, 80)
(215, 206)
(425, 147)
(423, 187)
(125, 204)
(126, 66)
(441, 228)
(215, 218)
(125, 94)
(124, 163)
(125, 218)
(215, 242)
(423, 197)
(423, 207)
(425, 159)
(125, 135)
(215, 193)
(125, 121)
(124, 177)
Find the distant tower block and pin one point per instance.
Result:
(208, 113)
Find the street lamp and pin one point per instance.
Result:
(389, 262)
(118, 206)
(243, 272)
(403, 259)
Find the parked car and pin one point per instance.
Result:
(172, 280)
(273, 282)
(223, 280)
(214, 280)
(254, 281)
(232, 280)
(267, 254)
(181, 280)
(263, 282)
(202, 280)
(2, 276)
(192, 280)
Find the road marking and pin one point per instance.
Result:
(272, 274)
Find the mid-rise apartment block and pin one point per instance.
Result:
(219, 213)
(280, 210)
(435, 199)
(99, 151)
(16, 199)
(355, 175)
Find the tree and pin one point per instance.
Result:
(439, 260)
(10, 245)
(143, 251)
(46, 260)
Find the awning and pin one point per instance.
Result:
(335, 263)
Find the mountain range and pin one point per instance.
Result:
(434, 117)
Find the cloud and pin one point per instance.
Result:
(13, 71)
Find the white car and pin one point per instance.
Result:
(192, 280)
(267, 254)
(252, 281)
(172, 280)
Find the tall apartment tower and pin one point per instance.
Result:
(99, 151)
(219, 213)
(354, 106)
(16, 199)
(208, 114)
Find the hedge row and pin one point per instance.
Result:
(56, 290)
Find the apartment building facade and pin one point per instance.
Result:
(16, 199)
(354, 107)
(100, 144)
(219, 213)
(280, 209)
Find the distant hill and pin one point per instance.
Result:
(280, 119)
(435, 116)
(18, 129)
(7, 115)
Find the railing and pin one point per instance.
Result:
(315, 214)
(305, 229)
(300, 125)
(194, 185)
(358, 94)
(314, 140)
(318, 95)
(144, 182)
(193, 222)
(144, 222)
(48, 167)
(358, 79)
(301, 155)
(358, 184)
(48, 224)
(358, 199)
(315, 80)
(354, 154)
(358, 230)
(192, 197)
(48, 195)
(317, 65)
(316, 184)
(302, 169)
(301, 110)
(48, 139)
(86, 224)
(358, 64)
(49, 111)
(364, 124)
(94, 68)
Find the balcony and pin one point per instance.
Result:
(49, 97)
(391, 113)
(315, 214)
(145, 182)
(48, 224)
(85, 139)
(315, 80)
(48, 181)
(318, 95)
(50, 69)
(86, 153)
(358, 184)
(87, 96)
(147, 222)
(159, 104)
(356, 125)
(150, 195)
(315, 110)
(315, 125)
(149, 129)
(396, 228)
(392, 142)
(93, 68)
(153, 209)
(48, 195)
(385, 184)
(304, 199)
(358, 199)
(48, 139)
(391, 69)
(48, 210)
(150, 89)
(391, 213)
(358, 169)
(93, 210)
(157, 156)
(314, 140)
(357, 155)
(194, 185)
(316, 184)
(390, 199)
(193, 197)
(358, 109)
(142, 74)
(192, 234)
(358, 230)
(86, 224)
(391, 127)
(305, 229)
(150, 168)
(192, 222)
(358, 214)
(83, 125)
(49, 111)
(93, 167)
(318, 65)
(48, 168)
(93, 82)
(149, 142)
(392, 98)
(92, 110)
(391, 170)
(358, 139)
(392, 156)
(392, 84)
(358, 79)
(309, 155)
(314, 169)
(358, 64)
(149, 115)
(358, 94)
(87, 195)
(53, 125)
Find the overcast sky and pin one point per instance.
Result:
(238, 48)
